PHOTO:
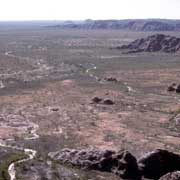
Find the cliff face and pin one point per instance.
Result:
(137, 25)
(154, 43)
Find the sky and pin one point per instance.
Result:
(88, 9)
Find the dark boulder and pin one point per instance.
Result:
(172, 88)
(96, 100)
(108, 102)
(111, 79)
(55, 109)
(178, 89)
(126, 165)
(157, 163)
(171, 176)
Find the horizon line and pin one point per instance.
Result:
(30, 20)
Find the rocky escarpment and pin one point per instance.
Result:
(154, 43)
(153, 165)
(135, 25)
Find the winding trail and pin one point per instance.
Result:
(39, 66)
(88, 71)
(31, 153)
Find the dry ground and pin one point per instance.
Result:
(58, 96)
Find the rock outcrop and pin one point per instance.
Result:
(97, 100)
(178, 89)
(108, 102)
(157, 163)
(174, 88)
(110, 79)
(153, 165)
(171, 176)
(121, 163)
(125, 165)
(154, 43)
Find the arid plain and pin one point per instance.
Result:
(48, 80)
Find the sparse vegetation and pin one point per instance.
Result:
(50, 77)
(6, 160)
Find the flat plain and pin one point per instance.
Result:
(48, 79)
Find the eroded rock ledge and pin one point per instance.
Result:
(154, 165)
(154, 43)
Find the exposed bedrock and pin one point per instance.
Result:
(171, 176)
(152, 165)
(157, 163)
(121, 163)
(154, 43)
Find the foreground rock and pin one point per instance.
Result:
(121, 163)
(152, 166)
(154, 43)
(126, 165)
(157, 163)
(171, 176)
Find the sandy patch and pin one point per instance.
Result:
(68, 82)
(9, 132)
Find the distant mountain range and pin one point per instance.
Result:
(135, 25)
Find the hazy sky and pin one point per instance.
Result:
(84, 9)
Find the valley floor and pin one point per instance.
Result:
(48, 80)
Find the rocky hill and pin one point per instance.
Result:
(154, 43)
(137, 25)
(152, 166)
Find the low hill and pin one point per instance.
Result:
(154, 43)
